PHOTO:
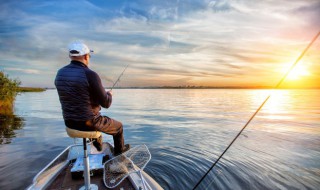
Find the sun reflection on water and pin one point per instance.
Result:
(278, 105)
(282, 112)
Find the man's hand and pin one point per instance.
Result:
(110, 92)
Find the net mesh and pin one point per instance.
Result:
(120, 167)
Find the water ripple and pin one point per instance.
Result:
(186, 131)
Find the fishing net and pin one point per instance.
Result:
(120, 167)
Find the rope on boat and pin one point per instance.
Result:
(255, 113)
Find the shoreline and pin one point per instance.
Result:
(31, 89)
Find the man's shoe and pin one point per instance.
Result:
(98, 143)
(126, 148)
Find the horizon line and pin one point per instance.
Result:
(195, 87)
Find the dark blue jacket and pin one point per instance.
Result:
(80, 92)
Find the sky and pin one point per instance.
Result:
(233, 43)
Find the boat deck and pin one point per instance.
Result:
(64, 181)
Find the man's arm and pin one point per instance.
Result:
(99, 94)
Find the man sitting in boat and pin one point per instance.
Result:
(81, 96)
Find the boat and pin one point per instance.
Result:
(67, 170)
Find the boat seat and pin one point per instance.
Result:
(82, 134)
(85, 134)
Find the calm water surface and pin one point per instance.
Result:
(185, 130)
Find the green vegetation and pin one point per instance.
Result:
(9, 88)
(31, 89)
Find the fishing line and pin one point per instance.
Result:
(119, 77)
(255, 113)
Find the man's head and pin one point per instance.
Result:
(79, 52)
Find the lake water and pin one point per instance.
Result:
(186, 130)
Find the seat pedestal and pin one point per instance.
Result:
(86, 171)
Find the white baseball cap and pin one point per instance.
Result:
(79, 49)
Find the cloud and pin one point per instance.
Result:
(168, 41)
(27, 71)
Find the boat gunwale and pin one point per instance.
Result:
(36, 179)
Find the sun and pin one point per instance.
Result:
(298, 72)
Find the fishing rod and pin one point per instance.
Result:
(255, 113)
(119, 77)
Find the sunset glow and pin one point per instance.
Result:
(184, 43)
